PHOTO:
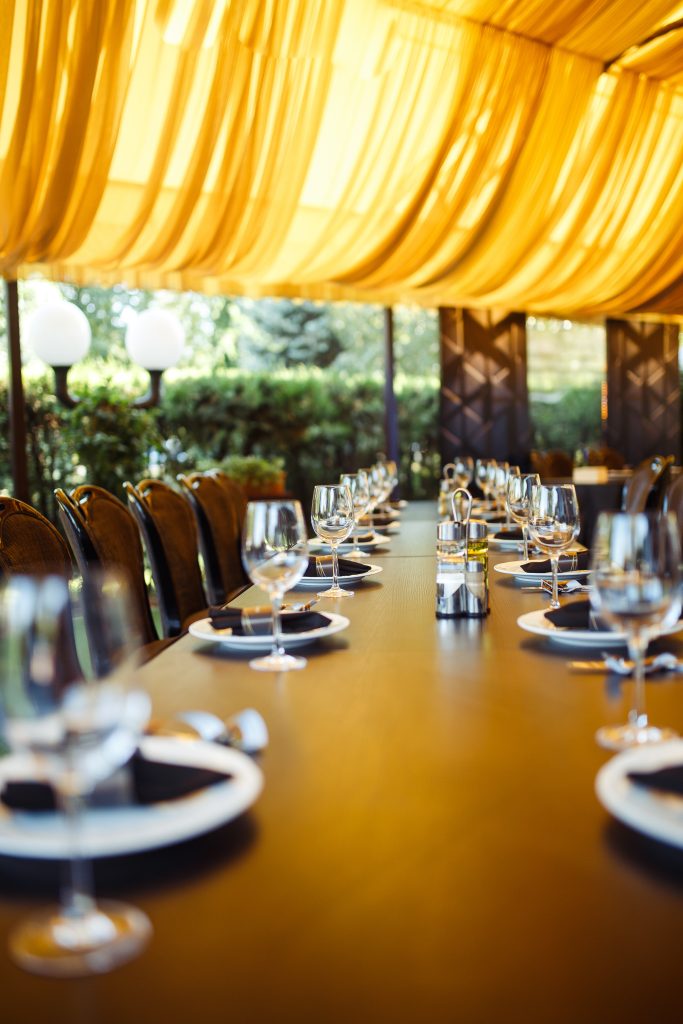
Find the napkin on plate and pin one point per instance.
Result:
(568, 563)
(258, 621)
(321, 565)
(575, 615)
(376, 520)
(150, 783)
(666, 780)
(509, 533)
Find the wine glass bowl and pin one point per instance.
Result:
(275, 557)
(518, 502)
(636, 590)
(332, 518)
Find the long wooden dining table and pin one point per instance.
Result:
(427, 846)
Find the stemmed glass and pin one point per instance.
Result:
(359, 486)
(484, 472)
(332, 520)
(275, 556)
(518, 502)
(463, 471)
(554, 523)
(636, 589)
(75, 729)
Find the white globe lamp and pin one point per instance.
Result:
(155, 339)
(59, 334)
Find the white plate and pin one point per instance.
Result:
(536, 622)
(112, 831)
(318, 582)
(376, 541)
(656, 814)
(203, 630)
(515, 569)
(506, 545)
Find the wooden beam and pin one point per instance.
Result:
(17, 405)
(390, 406)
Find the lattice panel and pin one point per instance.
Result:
(643, 389)
(484, 400)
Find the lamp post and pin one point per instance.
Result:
(155, 340)
(59, 334)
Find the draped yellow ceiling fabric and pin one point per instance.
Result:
(525, 154)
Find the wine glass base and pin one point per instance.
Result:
(278, 663)
(621, 737)
(335, 592)
(58, 946)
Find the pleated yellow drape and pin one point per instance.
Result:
(459, 152)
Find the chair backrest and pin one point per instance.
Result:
(673, 500)
(234, 492)
(646, 487)
(219, 532)
(29, 543)
(102, 533)
(168, 529)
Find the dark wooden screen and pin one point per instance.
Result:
(643, 389)
(484, 410)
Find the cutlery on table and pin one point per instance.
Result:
(245, 731)
(664, 662)
(564, 587)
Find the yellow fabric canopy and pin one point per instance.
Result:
(525, 154)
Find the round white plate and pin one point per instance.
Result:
(536, 622)
(515, 569)
(112, 831)
(376, 541)
(203, 630)
(318, 582)
(656, 814)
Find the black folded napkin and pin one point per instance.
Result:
(378, 521)
(576, 615)
(151, 782)
(567, 563)
(321, 565)
(509, 533)
(666, 780)
(259, 621)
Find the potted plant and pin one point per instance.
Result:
(258, 477)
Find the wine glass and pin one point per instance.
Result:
(518, 502)
(332, 520)
(484, 471)
(636, 589)
(554, 523)
(275, 556)
(463, 471)
(73, 728)
(359, 486)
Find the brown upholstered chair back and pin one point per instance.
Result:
(29, 543)
(102, 532)
(218, 527)
(168, 528)
(647, 486)
(235, 494)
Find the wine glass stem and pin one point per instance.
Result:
(555, 565)
(77, 889)
(335, 567)
(525, 538)
(637, 645)
(276, 605)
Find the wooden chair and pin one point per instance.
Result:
(219, 532)
(647, 485)
(103, 534)
(30, 545)
(169, 532)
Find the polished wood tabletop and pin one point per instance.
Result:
(427, 846)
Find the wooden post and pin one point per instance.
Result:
(17, 405)
(390, 406)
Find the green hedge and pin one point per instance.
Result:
(319, 423)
